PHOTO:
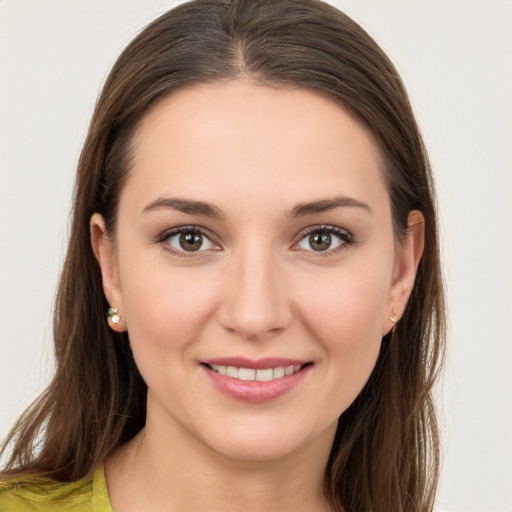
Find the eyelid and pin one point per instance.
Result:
(168, 233)
(342, 234)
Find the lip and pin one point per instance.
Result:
(255, 392)
(258, 364)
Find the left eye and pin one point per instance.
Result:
(322, 240)
(189, 241)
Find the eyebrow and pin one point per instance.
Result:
(186, 206)
(324, 205)
(299, 210)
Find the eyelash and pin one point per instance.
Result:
(345, 237)
(164, 237)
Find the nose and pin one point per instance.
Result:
(255, 301)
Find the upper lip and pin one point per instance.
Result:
(256, 364)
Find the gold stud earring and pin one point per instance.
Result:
(113, 315)
(393, 318)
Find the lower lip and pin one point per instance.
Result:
(254, 391)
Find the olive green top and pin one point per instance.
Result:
(38, 494)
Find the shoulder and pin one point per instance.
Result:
(33, 493)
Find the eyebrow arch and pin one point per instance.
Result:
(186, 206)
(324, 205)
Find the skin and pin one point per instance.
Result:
(258, 289)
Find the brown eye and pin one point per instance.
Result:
(188, 240)
(191, 241)
(324, 239)
(320, 241)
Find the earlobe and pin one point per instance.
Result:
(105, 254)
(406, 265)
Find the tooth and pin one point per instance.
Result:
(246, 374)
(278, 372)
(264, 375)
(232, 371)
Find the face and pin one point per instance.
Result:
(254, 266)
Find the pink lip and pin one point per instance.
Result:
(259, 364)
(255, 391)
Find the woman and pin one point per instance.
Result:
(250, 315)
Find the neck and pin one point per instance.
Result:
(172, 470)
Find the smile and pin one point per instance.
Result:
(256, 381)
(260, 375)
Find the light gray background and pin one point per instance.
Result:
(455, 58)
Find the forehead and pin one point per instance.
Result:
(239, 139)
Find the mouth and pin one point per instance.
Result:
(253, 374)
(256, 381)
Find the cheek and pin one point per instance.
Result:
(166, 310)
(346, 320)
(347, 306)
(165, 307)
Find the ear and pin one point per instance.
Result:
(105, 254)
(407, 259)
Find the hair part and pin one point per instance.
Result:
(386, 451)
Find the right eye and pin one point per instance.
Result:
(187, 240)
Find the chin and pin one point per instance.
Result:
(260, 444)
(261, 450)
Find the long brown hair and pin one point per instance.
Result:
(386, 451)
